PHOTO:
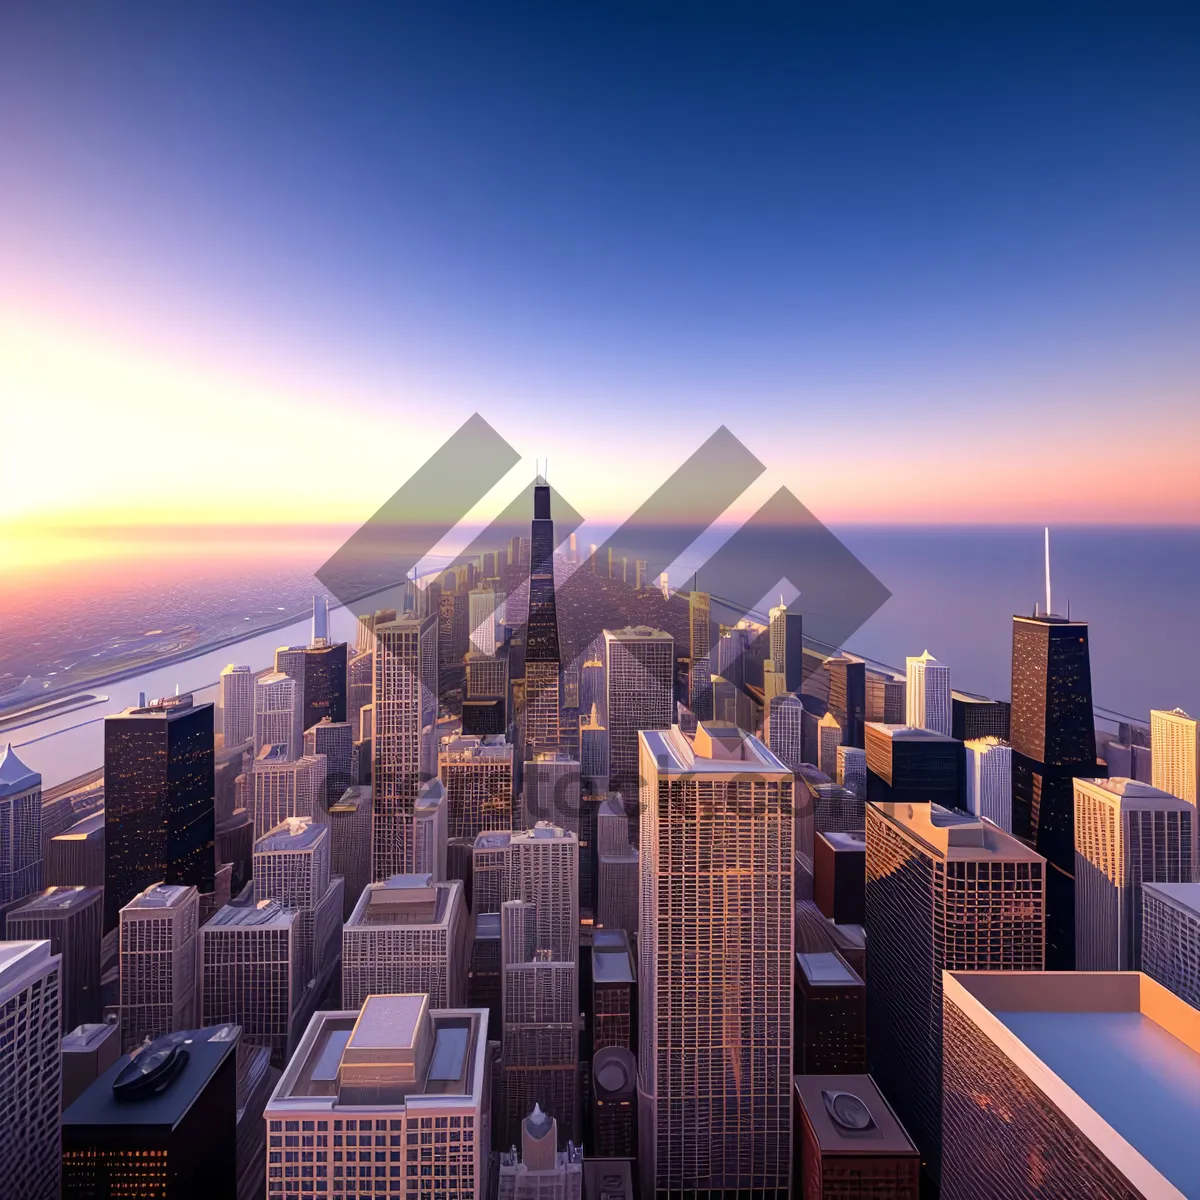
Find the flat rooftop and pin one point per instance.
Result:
(265, 914)
(834, 1104)
(207, 1051)
(1115, 1052)
(612, 959)
(405, 900)
(294, 834)
(955, 835)
(908, 733)
(1185, 896)
(856, 842)
(1120, 789)
(160, 895)
(92, 826)
(827, 970)
(717, 749)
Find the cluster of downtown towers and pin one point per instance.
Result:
(652, 796)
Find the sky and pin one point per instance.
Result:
(931, 264)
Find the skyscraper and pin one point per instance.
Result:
(292, 865)
(404, 747)
(852, 770)
(715, 1060)
(1073, 1084)
(70, 919)
(988, 763)
(250, 973)
(280, 788)
(485, 611)
(945, 892)
(1053, 739)
(396, 1064)
(848, 696)
(429, 830)
(1175, 753)
(552, 790)
(333, 741)
(20, 828)
(158, 963)
(1171, 937)
(540, 1041)
(350, 843)
(640, 672)
(320, 676)
(164, 1125)
(829, 738)
(928, 692)
(908, 763)
(617, 877)
(277, 715)
(784, 725)
(540, 1171)
(320, 620)
(478, 775)
(30, 1072)
(237, 705)
(787, 645)
(1126, 834)
(542, 655)
(159, 814)
(974, 717)
(407, 934)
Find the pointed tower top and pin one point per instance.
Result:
(15, 776)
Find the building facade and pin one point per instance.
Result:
(20, 828)
(928, 694)
(1175, 753)
(1171, 937)
(988, 769)
(237, 705)
(715, 964)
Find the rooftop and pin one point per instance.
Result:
(58, 900)
(1115, 1052)
(849, 1115)
(907, 733)
(85, 1038)
(612, 958)
(855, 842)
(432, 793)
(406, 900)
(956, 835)
(1121, 790)
(493, 840)
(614, 1070)
(15, 776)
(293, 834)
(207, 1050)
(392, 1053)
(1184, 896)
(717, 749)
(16, 957)
(161, 895)
(827, 970)
(637, 633)
(472, 746)
(265, 913)
(352, 798)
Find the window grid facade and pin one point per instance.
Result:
(1171, 938)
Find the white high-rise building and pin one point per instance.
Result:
(292, 865)
(333, 741)
(237, 705)
(640, 677)
(158, 963)
(485, 612)
(541, 1171)
(396, 1068)
(928, 694)
(30, 1071)
(478, 775)
(989, 780)
(1175, 753)
(279, 787)
(715, 964)
(829, 738)
(852, 770)
(20, 828)
(404, 747)
(784, 723)
(276, 714)
(250, 973)
(1126, 833)
(407, 934)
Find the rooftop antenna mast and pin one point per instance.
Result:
(1049, 607)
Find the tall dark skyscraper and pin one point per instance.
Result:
(542, 654)
(159, 815)
(1053, 735)
(848, 697)
(324, 683)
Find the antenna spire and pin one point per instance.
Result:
(1049, 606)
